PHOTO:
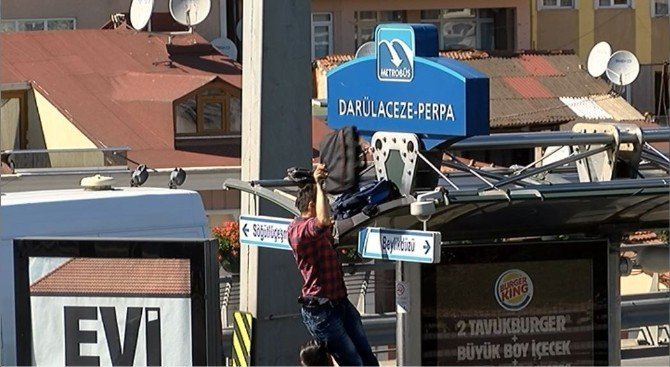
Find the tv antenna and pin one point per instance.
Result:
(140, 13)
(622, 68)
(366, 49)
(598, 58)
(190, 12)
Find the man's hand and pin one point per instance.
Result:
(322, 204)
(320, 173)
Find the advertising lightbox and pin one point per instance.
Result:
(517, 304)
(116, 302)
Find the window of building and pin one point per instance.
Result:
(366, 22)
(484, 29)
(213, 110)
(322, 34)
(12, 25)
(660, 8)
(557, 4)
(614, 3)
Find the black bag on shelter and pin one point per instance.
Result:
(342, 155)
(364, 199)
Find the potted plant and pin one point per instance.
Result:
(228, 236)
(351, 256)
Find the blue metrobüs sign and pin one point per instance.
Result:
(395, 50)
(407, 88)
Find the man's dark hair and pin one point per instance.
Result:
(313, 353)
(306, 194)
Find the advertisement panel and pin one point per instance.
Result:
(520, 304)
(116, 302)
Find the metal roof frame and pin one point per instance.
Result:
(497, 203)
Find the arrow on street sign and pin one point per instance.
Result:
(265, 231)
(400, 245)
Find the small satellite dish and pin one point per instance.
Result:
(366, 49)
(190, 12)
(598, 57)
(622, 68)
(140, 13)
(226, 47)
(238, 30)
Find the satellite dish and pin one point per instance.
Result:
(226, 47)
(366, 49)
(622, 68)
(190, 12)
(598, 58)
(238, 30)
(140, 13)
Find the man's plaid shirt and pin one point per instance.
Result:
(316, 258)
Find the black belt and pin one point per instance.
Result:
(319, 302)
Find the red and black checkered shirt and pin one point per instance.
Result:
(317, 260)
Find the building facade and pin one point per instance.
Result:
(343, 26)
(639, 26)
(26, 15)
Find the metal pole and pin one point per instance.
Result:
(408, 326)
(614, 307)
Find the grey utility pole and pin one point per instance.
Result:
(276, 134)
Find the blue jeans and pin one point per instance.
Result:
(339, 327)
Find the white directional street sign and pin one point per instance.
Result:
(400, 245)
(264, 231)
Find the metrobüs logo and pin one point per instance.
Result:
(395, 53)
(514, 290)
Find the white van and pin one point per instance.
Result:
(110, 212)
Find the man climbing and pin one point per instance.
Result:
(326, 310)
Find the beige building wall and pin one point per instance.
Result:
(632, 29)
(9, 121)
(660, 39)
(616, 26)
(344, 20)
(95, 13)
(60, 133)
(551, 20)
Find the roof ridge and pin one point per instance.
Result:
(54, 270)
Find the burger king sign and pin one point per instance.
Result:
(514, 290)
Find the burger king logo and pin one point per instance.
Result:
(514, 290)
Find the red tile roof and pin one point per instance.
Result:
(95, 276)
(538, 65)
(527, 87)
(117, 86)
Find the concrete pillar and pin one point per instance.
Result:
(276, 134)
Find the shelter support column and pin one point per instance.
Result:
(276, 134)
